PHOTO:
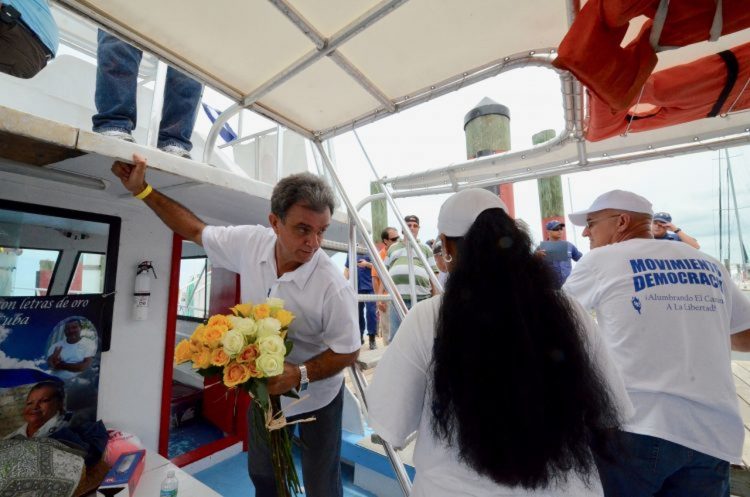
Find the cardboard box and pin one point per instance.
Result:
(124, 475)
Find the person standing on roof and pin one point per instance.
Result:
(557, 252)
(500, 329)
(28, 37)
(284, 261)
(670, 316)
(115, 98)
(662, 225)
(397, 263)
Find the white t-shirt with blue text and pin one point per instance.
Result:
(667, 311)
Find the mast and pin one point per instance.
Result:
(721, 215)
(743, 250)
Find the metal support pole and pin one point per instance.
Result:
(157, 103)
(398, 466)
(405, 229)
(399, 303)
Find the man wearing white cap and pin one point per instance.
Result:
(670, 315)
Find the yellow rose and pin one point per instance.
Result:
(268, 326)
(272, 344)
(202, 358)
(212, 335)
(261, 311)
(235, 374)
(233, 341)
(242, 310)
(196, 339)
(246, 326)
(275, 303)
(221, 320)
(285, 317)
(219, 358)
(270, 364)
(248, 354)
(182, 352)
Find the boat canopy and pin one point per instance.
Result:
(325, 67)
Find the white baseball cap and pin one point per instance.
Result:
(459, 212)
(616, 199)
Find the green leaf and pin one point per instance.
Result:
(288, 344)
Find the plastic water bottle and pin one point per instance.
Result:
(169, 485)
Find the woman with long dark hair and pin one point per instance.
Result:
(503, 377)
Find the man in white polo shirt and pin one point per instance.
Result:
(285, 261)
(670, 315)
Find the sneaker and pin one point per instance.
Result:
(373, 345)
(120, 134)
(176, 150)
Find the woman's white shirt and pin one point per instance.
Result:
(399, 404)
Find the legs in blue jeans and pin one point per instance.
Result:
(368, 318)
(115, 98)
(396, 319)
(116, 82)
(645, 466)
(321, 453)
(182, 94)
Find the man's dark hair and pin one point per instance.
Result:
(527, 348)
(303, 188)
(384, 234)
(57, 387)
(73, 320)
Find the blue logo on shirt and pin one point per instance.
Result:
(636, 304)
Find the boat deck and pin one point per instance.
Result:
(741, 371)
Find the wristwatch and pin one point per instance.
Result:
(303, 380)
(678, 230)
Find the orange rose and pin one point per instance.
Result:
(235, 374)
(201, 359)
(212, 335)
(220, 320)
(182, 352)
(285, 317)
(254, 373)
(248, 354)
(219, 357)
(261, 311)
(242, 310)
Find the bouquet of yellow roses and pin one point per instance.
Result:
(246, 348)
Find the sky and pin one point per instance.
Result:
(431, 135)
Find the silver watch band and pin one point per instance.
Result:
(303, 379)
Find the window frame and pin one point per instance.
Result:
(195, 319)
(113, 246)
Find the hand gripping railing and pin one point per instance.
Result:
(398, 302)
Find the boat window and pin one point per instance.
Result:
(51, 252)
(26, 272)
(195, 283)
(88, 275)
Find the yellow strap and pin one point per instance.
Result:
(145, 193)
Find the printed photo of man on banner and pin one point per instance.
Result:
(50, 350)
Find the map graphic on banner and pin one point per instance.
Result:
(54, 339)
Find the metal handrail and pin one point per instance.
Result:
(358, 224)
(407, 232)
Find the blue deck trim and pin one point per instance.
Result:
(353, 453)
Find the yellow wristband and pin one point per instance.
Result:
(145, 193)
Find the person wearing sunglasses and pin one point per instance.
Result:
(670, 316)
(388, 237)
(558, 252)
(397, 264)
